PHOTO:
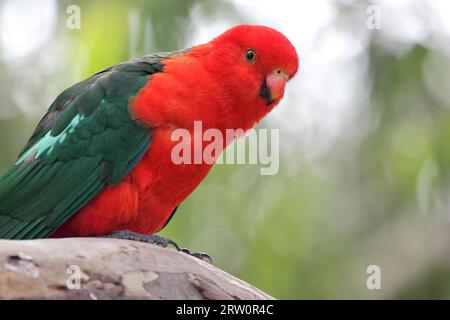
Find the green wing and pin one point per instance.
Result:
(86, 142)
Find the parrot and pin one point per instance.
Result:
(99, 162)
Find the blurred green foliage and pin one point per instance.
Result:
(297, 234)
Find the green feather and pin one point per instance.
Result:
(86, 142)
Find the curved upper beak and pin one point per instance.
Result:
(273, 86)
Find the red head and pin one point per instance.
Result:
(232, 81)
(263, 54)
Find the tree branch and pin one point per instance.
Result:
(101, 268)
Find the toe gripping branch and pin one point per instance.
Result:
(157, 240)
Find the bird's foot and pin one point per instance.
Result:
(149, 238)
(154, 239)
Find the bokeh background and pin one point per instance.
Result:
(364, 135)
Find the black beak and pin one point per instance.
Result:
(265, 93)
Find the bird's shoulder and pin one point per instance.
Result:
(111, 86)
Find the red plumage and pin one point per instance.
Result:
(212, 83)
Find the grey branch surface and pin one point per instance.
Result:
(101, 268)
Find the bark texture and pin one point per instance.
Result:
(100, 268)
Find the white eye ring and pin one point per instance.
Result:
(250, 56)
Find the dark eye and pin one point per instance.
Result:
(250, 56)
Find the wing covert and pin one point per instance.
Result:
(86, 142)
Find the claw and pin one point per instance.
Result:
(174, 244)
(202, 256)
(199, 255)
